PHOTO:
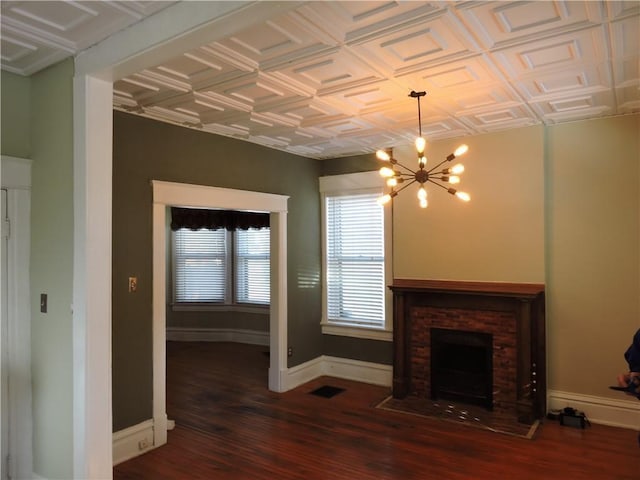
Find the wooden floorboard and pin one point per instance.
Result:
(230, 426)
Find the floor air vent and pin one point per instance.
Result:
(327, 391)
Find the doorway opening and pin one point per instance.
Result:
(167, 194)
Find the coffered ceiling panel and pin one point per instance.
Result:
(499, 24)
(358, 21)
(327, 74)
(36, 34)
(570, 82)
(409, 46)
(284, 39)
(628, 99)
(554, 54)
(331, 79)
(576, 107)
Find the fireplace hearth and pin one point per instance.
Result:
(503, 328)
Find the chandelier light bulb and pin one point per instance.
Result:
(457, 169)
(384, 199)
(422, 161)
(422, 193)
(464, 196)
(383, 155)
(423, 203)
(387, 172)
(461, 150)
(392, 182)
(420, 144)
(453, 179)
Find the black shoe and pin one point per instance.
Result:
(633, 388)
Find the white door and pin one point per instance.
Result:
(4, 398)
(15, 331)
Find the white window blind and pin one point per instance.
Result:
(355, 260)
(252, 269)
(200, 265)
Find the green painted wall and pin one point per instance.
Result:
(357, 163)
(15, 129)
(52, 269)
(146, 150)
(236, 320)
(592, 252)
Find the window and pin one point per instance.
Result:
(356, 265)
(221, 267)
(252, 273)
(200, 264)
(355, 260)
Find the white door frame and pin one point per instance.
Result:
(166, 194)
(180, 27)
(16, 178)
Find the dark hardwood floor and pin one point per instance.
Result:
(229, 426)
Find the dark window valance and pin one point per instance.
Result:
(197, 218)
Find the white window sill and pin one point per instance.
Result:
(357, 332)
(210, 307)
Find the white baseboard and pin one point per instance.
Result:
(185, 334)
(303, 373)
(132, 441)
(600, 410)
(357, 370)
(365, 372)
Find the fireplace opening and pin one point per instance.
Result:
(462, 366)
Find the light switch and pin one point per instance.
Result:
(133, 284)
(43, 303)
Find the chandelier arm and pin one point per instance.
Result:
(405, 175)
(441, 179)
(405, 186)
(438, 184)
(406, 168)
(437, 166)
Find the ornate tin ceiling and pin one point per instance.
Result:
(330, 79)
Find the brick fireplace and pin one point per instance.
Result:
(510, 316)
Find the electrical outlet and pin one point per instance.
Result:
(133, 284)
(143, 444)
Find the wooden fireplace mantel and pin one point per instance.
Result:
(451, 286)
(522, 302)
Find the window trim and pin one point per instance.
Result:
(352, 184)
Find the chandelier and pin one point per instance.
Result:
(399, 174)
